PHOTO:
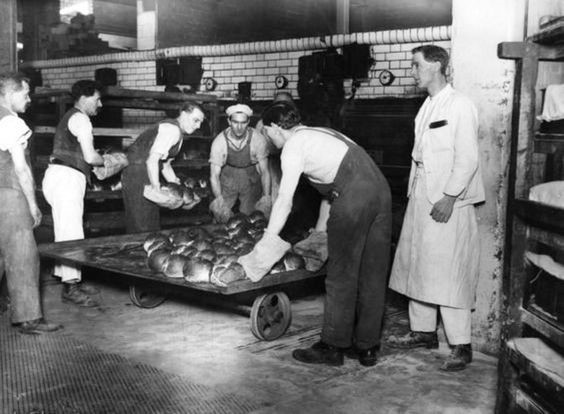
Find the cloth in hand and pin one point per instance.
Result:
(162, 197)
(264, 205)
(113, 163)
(220, 211)
(313, 249)
(269, 250)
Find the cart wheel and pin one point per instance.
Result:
(144, 298)
(271, 316)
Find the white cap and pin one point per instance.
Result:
(242, 108)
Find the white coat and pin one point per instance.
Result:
(439, 262)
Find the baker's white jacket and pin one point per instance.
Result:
(446, 141)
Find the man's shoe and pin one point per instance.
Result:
(38, 326)
(73, 294)
(459, 357)
(320, 353)
(88, 289)
(414, 339)
(367, 357)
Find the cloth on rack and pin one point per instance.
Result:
(551, 193)
(546, 263)
(553, 106)
(113, 163)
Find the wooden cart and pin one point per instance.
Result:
(270, 312)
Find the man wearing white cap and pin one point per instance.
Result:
(239, 167)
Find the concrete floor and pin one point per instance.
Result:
(213, 346)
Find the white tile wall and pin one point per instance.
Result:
(260, 69)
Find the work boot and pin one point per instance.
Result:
(73, 294)
(414, 339)
(38, 327)
(459, 357)
(320, 353)
(367, 357)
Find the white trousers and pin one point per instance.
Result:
(64, 189)
(456, 321)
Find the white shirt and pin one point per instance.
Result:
(14, 132)
(168, 136)
(80, 125)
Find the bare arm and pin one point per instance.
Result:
(291, 172)
(25, 178)
(153, 169)
(264, 172)
(215, 171)
(168, 172)
(324, 210)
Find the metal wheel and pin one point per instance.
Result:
(271, 316)
(144, 298)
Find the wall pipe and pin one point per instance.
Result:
(416, 35)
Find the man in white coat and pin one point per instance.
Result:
(437, 259)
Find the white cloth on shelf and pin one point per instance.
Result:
(553, 106)
(546, 263)
(551, 193)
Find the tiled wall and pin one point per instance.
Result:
(260, 69)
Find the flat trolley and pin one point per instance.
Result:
(270, 312)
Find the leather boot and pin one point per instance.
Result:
(459, 357)
(366, 357)
(73, 294)
(320, 353)
(414, 339)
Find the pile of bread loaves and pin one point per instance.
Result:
(201, 255)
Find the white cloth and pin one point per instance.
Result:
(113, 164)
(457, 322)
(14, 132)
(551, 193)
(546, 263)
(239, 108)
(553, 106)
(449, 153)
(437, 262)
(64, 189)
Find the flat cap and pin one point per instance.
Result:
(242, 108)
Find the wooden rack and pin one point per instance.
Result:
(104, 209)
(531, 366)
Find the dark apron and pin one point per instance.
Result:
(239, 177)
(359, 235)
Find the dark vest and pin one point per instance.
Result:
(239, 158)
(66, 148)
(8, 177)
(138, 152)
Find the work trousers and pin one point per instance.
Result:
(359, 233)
(243, 184)
(456, 321)
(141, 215)
(19, 257)
(64, 189)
